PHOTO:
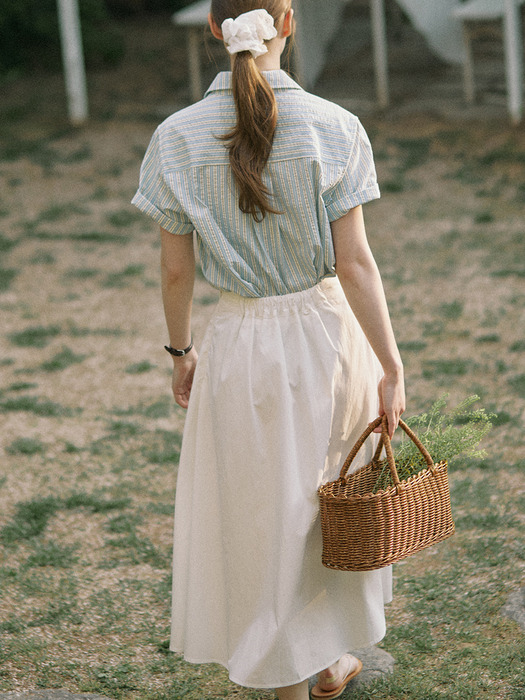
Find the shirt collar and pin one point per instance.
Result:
(278, 80)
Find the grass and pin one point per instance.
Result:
(160, 408)
(508, 152)
(41, 336)
(517, 384)
(62, 360)
(86, 495)
(413, 151)
(393, 185)
(163, 448)
(518, 346)
(140, 367)
(82, 273)
(122, 278)
(451, 311)
(446, 368)
(21, 386)
(450, 622)
(59, 212)
(134, 549)
(82, 237)
(6, 277)
(37, 150)
(42, 151)
(42, 257)
(123, 218)
(509, 272)
(31, 517)
(119, 429)
(489, 338)
(36, 405)
(484, 217)
(25, 446)
(34, 336)
(52, 554)
(30, 520)
(7, 243)
(81, 332)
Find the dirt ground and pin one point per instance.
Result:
(81, 358)
(452, 189)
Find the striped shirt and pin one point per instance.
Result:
(320, 167)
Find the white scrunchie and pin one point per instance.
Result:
(248, 32)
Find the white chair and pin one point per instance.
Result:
(307, 63)
(474, 15)
(195, 18)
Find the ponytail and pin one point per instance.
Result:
(250, 141)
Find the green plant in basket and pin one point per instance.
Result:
(445, 434)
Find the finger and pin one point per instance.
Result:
(182, 400)
(393, 422)
(380, 393)
(181, 395)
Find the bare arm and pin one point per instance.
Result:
(177, 279)
(357, 271)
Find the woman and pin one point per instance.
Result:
(272, 180)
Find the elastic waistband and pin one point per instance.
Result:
(303, 301)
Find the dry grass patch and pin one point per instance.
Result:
(90, 436)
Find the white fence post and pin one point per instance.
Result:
(514, 59)
(73, 60)
(380, 51)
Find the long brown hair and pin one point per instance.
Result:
(250, 141)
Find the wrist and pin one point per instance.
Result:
(175, 352)
(394, 370)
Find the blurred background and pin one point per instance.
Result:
(90, 435)
(137, 59)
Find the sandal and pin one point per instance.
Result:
(319, 694)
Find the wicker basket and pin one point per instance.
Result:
(363, 530)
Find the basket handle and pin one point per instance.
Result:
(385, 440)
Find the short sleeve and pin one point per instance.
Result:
(155, 198)
(358, 183)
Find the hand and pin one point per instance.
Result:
(183, 371)
(391, 400)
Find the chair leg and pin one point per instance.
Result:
(468, 66)
(513, 40)
(194, 36)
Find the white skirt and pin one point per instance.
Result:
(284, 386)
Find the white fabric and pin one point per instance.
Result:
(435, 20)
(318, 24)
(284, 386)
(248, 32)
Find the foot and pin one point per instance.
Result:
(333, 680)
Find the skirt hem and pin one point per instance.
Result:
(278, 684)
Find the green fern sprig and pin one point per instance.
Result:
(445, 434)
